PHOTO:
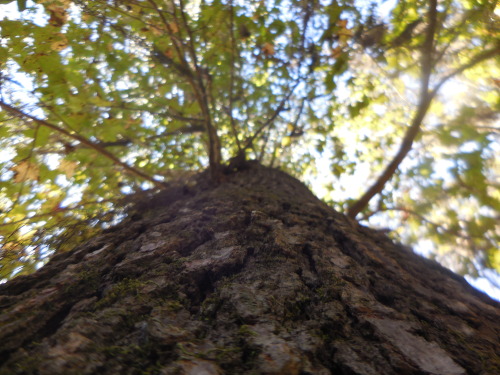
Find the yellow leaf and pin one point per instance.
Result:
(68, 167)
(345, 33)
(25, 171)
(342, 24)
(11, 247)
(337, 52)
(268, 49)
(58, 15)
(157, 31)
(286, 141)
(60, 43)
(173, 28)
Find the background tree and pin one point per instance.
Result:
(106, 101)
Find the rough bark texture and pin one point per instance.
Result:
(254, 276)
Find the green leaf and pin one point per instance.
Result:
(42, 135)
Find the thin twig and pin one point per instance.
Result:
(231, 85)
(83, 140)
(278, 110)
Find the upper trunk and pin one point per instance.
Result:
(254, 276)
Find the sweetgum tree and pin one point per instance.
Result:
(109, 110)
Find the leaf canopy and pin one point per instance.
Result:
(393, 102)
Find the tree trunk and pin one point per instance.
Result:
(253, 276)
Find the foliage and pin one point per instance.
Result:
(104, 99)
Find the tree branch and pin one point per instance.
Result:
(134, 171)
(127, 141)
(424, 103)
(196, 81)
(214, 147)
(426, 97)
(480, 57)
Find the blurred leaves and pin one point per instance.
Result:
(324, 90)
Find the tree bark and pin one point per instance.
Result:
(252, 276)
